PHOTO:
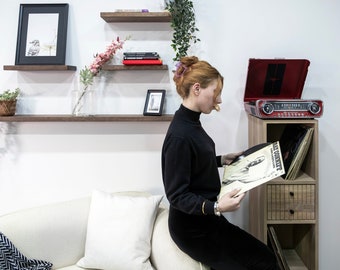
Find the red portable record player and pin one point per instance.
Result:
(274, 88)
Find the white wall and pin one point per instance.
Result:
(45, 162)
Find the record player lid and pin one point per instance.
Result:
(275, 79)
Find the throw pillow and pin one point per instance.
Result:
(119, 231)
(12, 259)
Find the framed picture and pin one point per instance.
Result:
(42, 32)
(154, 102)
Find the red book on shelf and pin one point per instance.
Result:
(143, 62)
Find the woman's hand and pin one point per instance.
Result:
(227, 159)
(230, 202)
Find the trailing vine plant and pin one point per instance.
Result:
(183, 23)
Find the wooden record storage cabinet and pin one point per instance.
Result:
(289, 206)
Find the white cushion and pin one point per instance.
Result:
(119, 231)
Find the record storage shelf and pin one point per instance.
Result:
(296, 221)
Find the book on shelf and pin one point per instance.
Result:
(141, 55)
(123, 10)
(142, 58)
(135, 57)
(256, 166)
(295, 142)
(275, 245)
(142, 62)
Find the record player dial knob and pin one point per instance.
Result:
(314, 108)
(268, 108)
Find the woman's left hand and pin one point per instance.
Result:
(230, 202)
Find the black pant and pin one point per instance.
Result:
(217, 243)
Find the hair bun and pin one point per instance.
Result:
(189, 60)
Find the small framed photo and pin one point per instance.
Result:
(42, 33)
(154, 102)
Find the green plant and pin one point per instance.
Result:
(183, 23)
(9, 94)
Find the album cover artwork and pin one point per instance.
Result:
(256, 166)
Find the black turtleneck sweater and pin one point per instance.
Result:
(190, 165)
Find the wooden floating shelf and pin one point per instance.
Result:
(135, 16)
(134, 67)
(39, 67)
(92, 118)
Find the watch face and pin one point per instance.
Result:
(217, 213)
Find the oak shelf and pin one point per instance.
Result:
(135, 16)
(91, 118)
(290, 207)
(40, 67)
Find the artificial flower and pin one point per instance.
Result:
(88, 73)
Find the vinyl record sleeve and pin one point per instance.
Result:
(275, 245)
(259, 165)
(295, 142)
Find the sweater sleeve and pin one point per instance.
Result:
(219, 161)
(177, 162)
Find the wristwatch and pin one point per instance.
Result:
(216, 210)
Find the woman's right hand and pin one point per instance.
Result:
(227, 159)
(230, 202)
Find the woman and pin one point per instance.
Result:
(192, 183)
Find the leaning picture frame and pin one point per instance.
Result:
(154, 102)
(42, 34)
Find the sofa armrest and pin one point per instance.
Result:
(54, 232)
(165, 255)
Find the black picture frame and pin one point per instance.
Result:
(42, 34)
(154, 102)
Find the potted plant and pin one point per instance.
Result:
(8, 102)
(184, 25)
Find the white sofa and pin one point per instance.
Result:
(57, 233)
